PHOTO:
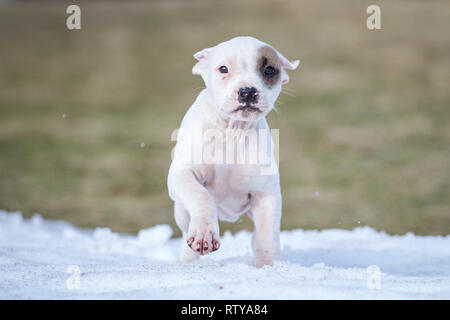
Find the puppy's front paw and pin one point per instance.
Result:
(203, 238)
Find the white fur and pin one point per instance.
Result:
(208, 191)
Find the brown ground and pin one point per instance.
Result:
(364, 120)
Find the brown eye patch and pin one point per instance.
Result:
(268, 66)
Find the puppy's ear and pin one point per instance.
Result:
(286, 64)
(202, 57)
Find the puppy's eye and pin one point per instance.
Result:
(223, 69)
(269, 71)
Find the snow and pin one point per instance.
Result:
(54, 260)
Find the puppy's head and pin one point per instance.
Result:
(243, 76)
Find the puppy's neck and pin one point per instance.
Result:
(219, 120)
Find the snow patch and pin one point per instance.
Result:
(39, 258)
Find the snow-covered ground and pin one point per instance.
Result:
(54, 260)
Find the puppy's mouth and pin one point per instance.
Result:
(247, 108)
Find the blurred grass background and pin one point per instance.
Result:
(364, 121)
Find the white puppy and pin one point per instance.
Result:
(208, 179)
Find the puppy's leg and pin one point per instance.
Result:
(202, 233)
(266, 214)
(182, 219)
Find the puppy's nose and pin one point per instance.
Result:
(248, 95)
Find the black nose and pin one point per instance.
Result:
(248, 95)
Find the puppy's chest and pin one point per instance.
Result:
(231, 187)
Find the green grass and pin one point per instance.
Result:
(364, 120)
